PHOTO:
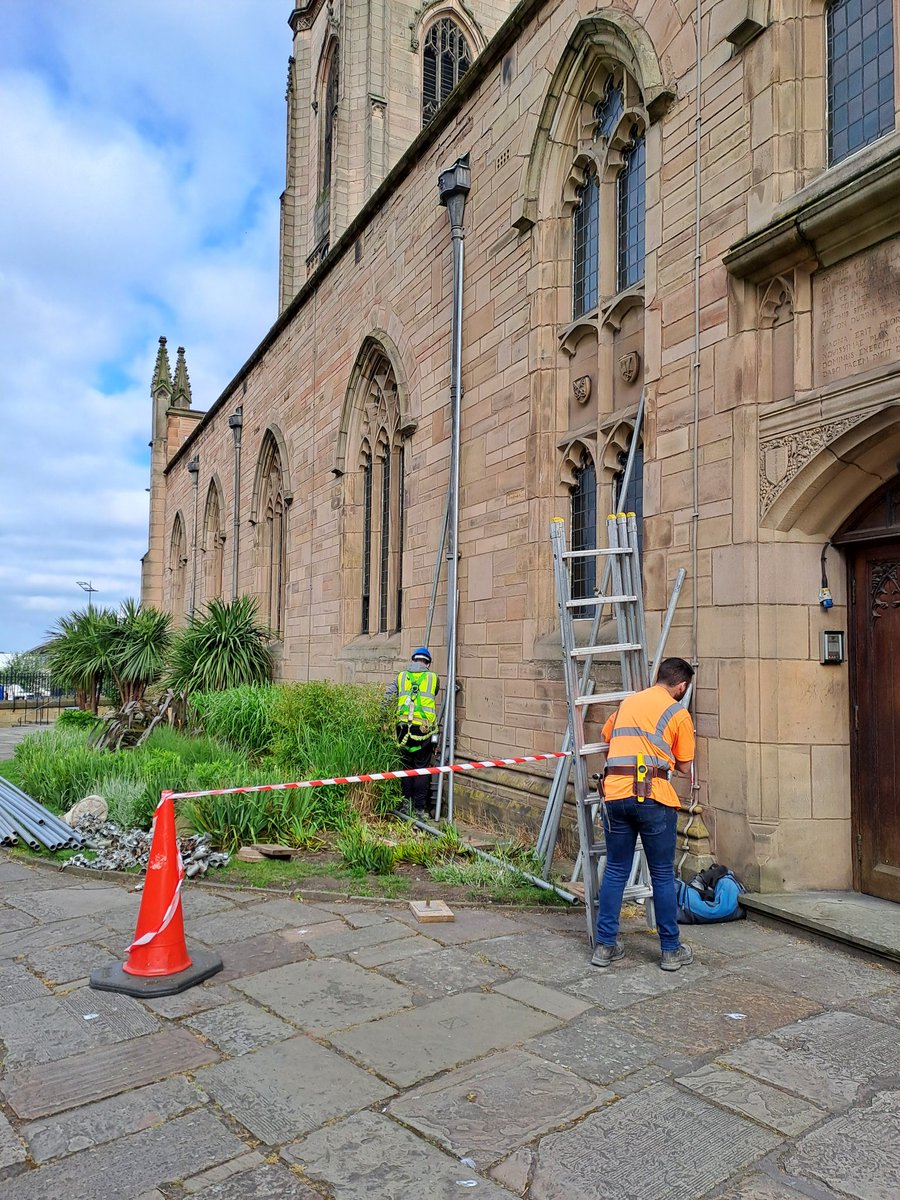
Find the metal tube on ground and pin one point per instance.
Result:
(533, 879)
(35, 812)
(21, 832)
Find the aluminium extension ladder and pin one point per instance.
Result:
(626, 600)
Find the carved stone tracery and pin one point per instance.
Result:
(885, 587)
(782, 458)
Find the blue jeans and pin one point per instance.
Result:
(656, 823)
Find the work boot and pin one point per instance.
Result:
(674, 960)
(604, 955)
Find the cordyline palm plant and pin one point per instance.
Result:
(129, 648)
(224, 646)
(77, 650)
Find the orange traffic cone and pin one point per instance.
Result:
(158, 960)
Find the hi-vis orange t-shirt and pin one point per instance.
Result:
(653, 724)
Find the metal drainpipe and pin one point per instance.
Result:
(453, 187)
(194, 468)
(695, 455)
(236, 424)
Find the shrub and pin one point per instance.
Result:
(57, 768)
(365, 852)
(125, 798)
(75, 718)
(289, 817)
(224, 646)
(241, 716)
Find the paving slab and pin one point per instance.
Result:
(545, 999)
(660, 1144)
(94, 1124)
(55, 1027)
(239, 1028)
(12, 872)
(413, 1045)
(541, 956)
(214, 1176)
(827, 1059)
(17, 983)
(234, 925)
(293, 913)
(762, 1187)
(63, 964)
(737, 939)
(269, 1181)
(485, 1109)
(131, 1165)
(713, 1016)
(767, 1105)
(452, 969)
(862, 921)
(282, 1092)
(396, 951)
(194, 1000)
(883, 1007)
(67, 903)
(260, 953)
(821, 973)
(855, 1154)
(328, 940)
(45, 1089)
(469, 925)
(598, 1051)
(368, 1155)
(620, 986)
(58, 933)
(12, 1148)
(326, 995)
(12, 919)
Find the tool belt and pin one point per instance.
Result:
(643, 777)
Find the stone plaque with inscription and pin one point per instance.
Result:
(856, 314)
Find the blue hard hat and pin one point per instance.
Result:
(422, 652)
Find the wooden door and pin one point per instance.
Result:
(875, 716)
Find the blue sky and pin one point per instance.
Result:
(142, 144)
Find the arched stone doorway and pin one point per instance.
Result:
(871, 539)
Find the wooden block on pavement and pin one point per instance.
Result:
(431, 910)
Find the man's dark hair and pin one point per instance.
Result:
(673, 671)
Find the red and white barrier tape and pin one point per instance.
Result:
(311, 783)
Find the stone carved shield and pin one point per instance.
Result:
(630, 365)
(775, 463)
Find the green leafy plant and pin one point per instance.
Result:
(224, 646)
(76, 718)
(241, 716)
(361, 850)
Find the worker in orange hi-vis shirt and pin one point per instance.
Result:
(650, 736)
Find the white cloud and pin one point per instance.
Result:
(142, 149)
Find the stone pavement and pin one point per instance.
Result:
(347, 1052)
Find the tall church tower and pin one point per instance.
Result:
(173, 420)
(364, 78)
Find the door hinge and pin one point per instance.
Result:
(856, 717)
(852, 589)
(859, 847)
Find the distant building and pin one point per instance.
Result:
(734, 251)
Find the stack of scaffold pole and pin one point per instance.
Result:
(24, 820)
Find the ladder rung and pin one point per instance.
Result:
(601, 600)
(600, 550)
(603, 698)
(591, 799)
(594, 748)
(612, 648)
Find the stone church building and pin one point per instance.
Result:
(699, 199)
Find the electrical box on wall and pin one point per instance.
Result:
(832, 646)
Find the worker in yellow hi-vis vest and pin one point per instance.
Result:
(415, 693)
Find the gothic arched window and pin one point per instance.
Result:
(177, 567)
(381, 464)
(584, 532)
(327, 102)
(631, 195)
(213, 544)
(586, 247)
(446, 57)
(860, 41)
(269, 508)
(329, 114)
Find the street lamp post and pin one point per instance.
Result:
(87, 586)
